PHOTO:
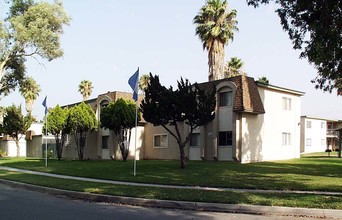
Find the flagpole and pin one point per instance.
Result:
(136, 136)
(46, 157)
(133, 82)
(136, 128)
(46, 128)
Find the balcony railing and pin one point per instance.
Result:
(331, 132)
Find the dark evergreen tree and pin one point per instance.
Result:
(167, 107)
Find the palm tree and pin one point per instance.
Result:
(85, 88)
(264, 80)
(234, 68)
(215, 27)
(143, 82)
(29, 89)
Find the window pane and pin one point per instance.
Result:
(160, 141)
(225, 99)
(195, 139)
(157, 141)
(225, 138)
(286, 139)
(286, 103)
(163, 141)
(308, 124)
(105, 140)
(289, 104)
(308, 142)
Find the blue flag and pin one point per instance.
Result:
(45, 105)
(133, 82)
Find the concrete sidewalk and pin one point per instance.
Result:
(230, 208)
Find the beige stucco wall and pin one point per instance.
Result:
(262, 134)
(90, 150)
(169, 153)
(316, 134)
(70, 150)
(34, 147)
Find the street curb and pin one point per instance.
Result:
(195, 206)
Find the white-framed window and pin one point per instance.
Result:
(323, 125)
(308, 142)
(286, 139)
(308, 124)
(195, 139)
(160, 141)
(225, 138)
(323, 142)
(226, 98)
(286, 104)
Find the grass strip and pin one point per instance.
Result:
(268, 199)
(310, 173)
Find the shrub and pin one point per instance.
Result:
(3, 153)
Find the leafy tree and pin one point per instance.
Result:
(15, 74)
(31, 30)
(234, 68)
(85, 88)
(315, 28)
(119, 116)
(15, 124)
(264, 80)
(29, 89)
(57, 126)
(215, 27)
(81, 119)
(167, 107)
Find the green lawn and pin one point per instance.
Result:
(311, 172)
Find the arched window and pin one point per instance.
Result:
(226, 97)
(104, 103)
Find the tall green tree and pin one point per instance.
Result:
(81, 120)
(172, 108)
(31, 30)
(234, 68)
(15, 124)
(315, 28)
(29, 89)
(119, 116)
(215, 26)
(85, 88)
(57, 126)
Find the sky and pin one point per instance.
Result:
(107, 41)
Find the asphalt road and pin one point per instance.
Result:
(16, 203)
